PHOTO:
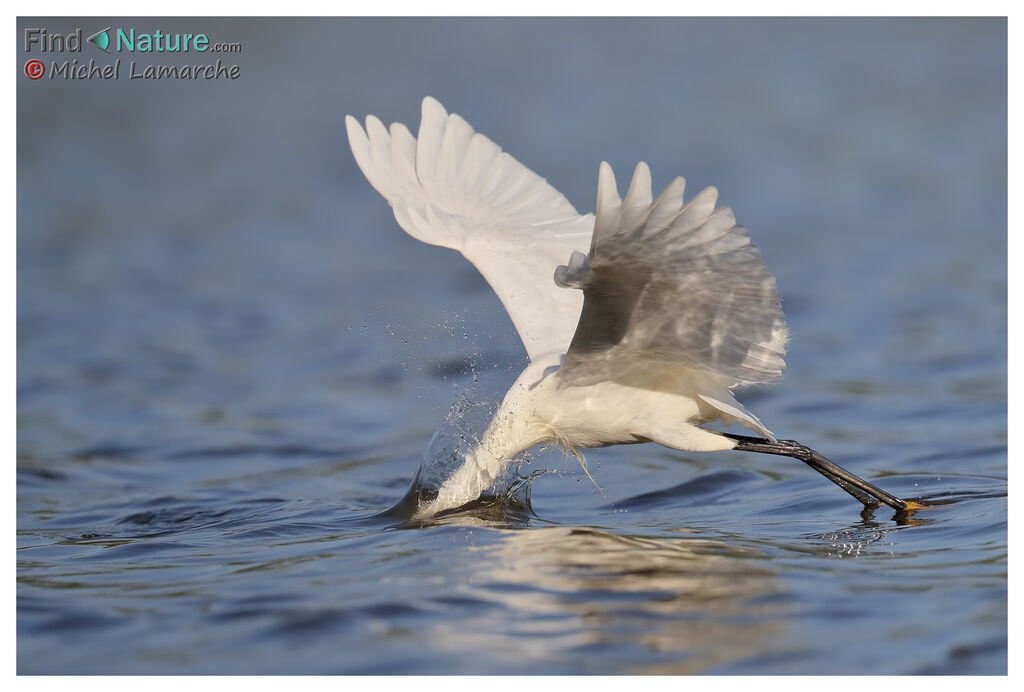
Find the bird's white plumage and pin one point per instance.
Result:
(672, 285)
(454, 187)
(676, 306)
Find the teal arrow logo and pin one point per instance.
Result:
(100, 39)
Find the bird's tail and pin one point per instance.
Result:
(724, 407)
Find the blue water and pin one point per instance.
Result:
(231, 359)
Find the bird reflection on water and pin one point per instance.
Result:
(583, 588)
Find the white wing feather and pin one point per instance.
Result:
(456, 188)
(670, 286)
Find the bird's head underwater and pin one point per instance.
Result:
(444, 482)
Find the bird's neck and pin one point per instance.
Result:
(519, 423)
(514, 429)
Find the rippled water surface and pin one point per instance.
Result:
(231, 359)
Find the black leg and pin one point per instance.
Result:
(870, 495)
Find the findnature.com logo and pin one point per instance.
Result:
(130, 41)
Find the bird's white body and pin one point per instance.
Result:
(675, 307)
(540, 409)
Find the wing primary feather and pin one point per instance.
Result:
(667, 206)
(637, 205)
(403, 153)
(608, 205)
(360, 145)
(695, 212)
(380, 146)
(428, 143)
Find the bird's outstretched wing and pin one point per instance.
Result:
(671, 284)
(454, 187)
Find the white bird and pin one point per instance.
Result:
(638, 321)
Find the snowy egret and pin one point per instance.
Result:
(638, 320)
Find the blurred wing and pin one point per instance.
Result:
(456, 188)
(671, 284)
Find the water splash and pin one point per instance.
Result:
(458, 434)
